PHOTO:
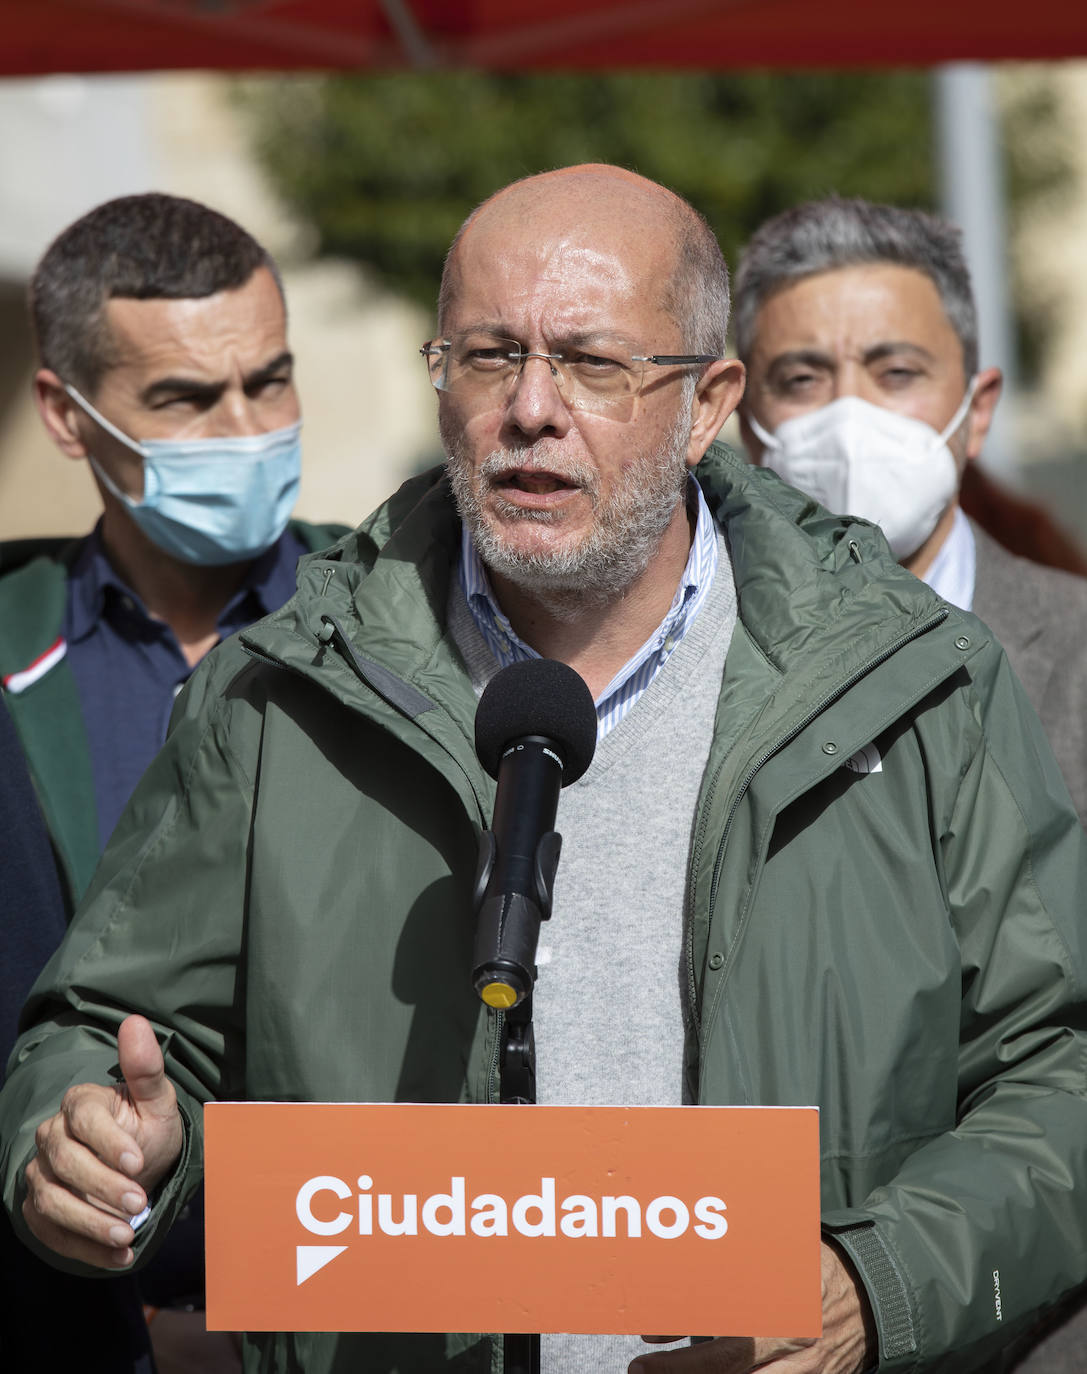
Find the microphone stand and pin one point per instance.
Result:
(520, 1351)
(532, 717)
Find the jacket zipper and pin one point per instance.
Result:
(495, 1074)
(745, 782)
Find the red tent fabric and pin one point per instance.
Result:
(138, 35)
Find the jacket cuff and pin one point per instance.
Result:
(888, 1292)
(174, 1190)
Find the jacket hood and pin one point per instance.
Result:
(799, 569)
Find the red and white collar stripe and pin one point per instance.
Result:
(26, 677)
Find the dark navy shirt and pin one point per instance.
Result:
(129, 668)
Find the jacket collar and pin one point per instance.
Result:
(820, 596)
(32, 602)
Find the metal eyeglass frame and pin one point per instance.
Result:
(434, 346)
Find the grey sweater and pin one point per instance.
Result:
(608, 1004)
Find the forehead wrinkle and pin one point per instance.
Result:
(816, 356)
(563, 288)
(861, 302)
(176, 382)
(210, 340)
(557, 258)
(575, 336)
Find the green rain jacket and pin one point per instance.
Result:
(41, 697)
(885, 909)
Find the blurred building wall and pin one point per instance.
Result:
(1051, 258)
(68, 143)
(1049, 250)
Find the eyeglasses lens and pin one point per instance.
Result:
(481, 368)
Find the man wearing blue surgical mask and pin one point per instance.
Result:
(858, 328)
(164, 364)
(161, 334)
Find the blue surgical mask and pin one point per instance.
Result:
(210, 501)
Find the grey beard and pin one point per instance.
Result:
(626, 533)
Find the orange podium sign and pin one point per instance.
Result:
(621, 1220)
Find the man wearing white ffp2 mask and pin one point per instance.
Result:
(858, 328)
(863, 382)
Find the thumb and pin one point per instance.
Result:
(158, 1135)
(141, 1063)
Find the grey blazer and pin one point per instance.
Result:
(1040, 617)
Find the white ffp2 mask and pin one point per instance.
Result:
(857, 458)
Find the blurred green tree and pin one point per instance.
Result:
(385, 168)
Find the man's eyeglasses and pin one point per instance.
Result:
(480, 368)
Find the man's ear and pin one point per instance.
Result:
(715, 398)
(61, 417)
(990, 383)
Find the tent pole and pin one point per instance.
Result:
(972, 194)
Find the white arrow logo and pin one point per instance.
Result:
(310, 1258)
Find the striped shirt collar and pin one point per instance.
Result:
(625, 688)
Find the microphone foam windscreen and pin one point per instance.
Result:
(540, 696)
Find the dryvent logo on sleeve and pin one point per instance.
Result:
(454, 1218)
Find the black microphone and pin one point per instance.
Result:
(535, 733)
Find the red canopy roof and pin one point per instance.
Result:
(137, 35)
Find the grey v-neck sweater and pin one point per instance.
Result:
(608, 1004)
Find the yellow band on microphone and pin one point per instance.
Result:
(499, 995)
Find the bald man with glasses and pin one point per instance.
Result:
(822, 854)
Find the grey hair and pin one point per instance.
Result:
(697, 296)
(824, 235)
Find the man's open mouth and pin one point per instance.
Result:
(535, 483)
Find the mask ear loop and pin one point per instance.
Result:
(100, 419)
(110, 428)
(770, 441)
(956, 421)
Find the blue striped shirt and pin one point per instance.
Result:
(628, 684)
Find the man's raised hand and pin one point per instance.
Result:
(101, 1155)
